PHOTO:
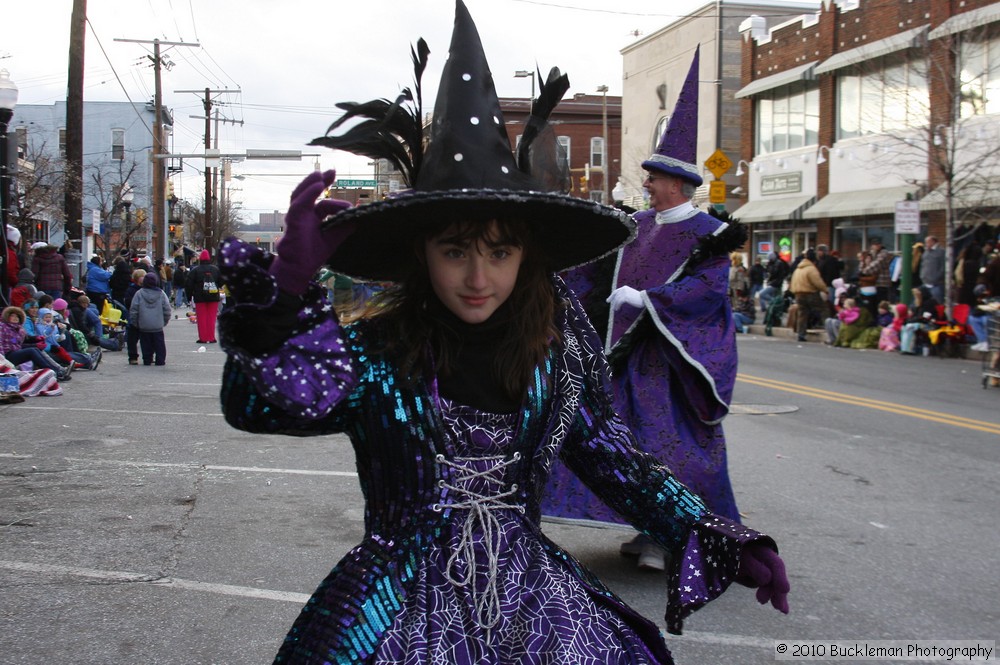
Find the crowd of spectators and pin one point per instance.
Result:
(866, 310)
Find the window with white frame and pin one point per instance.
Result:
(597, 152)
(788, 117)
(118, 144)
(62, 141)
(596, 196)
(890, 95)
(564, 154)
(979, 72)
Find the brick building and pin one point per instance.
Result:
(862, 104)
(590, 167)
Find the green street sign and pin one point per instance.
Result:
(343, 184)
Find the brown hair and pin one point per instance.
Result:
(417, 344)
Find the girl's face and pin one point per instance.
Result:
(14, 318)
(472, 277)
(47, 319)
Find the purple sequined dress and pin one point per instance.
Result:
(454, 567)
(516, 605)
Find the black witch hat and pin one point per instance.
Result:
(466, 172)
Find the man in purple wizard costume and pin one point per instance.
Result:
(670, 335)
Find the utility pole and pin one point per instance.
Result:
(73, 196)
(158, 217)
(211, 159)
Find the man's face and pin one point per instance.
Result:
(664, 190)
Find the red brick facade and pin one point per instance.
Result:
(837, 30)
(581, 118)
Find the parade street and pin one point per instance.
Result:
(138, 527)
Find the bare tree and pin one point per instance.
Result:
(120, 224)
(39, 190)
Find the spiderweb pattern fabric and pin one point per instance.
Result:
(546, 614)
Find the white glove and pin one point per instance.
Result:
(625, 295)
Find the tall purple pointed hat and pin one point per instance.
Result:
(677, 153)
(465, 170)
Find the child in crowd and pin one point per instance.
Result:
(131, 331)
(853, 320)
(885, 315)
(149, 313)
(18, 347)
(889, 337)
(75, 339)
(47, 329)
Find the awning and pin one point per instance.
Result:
(982, 193)
(873, 50)
(800, 73)
(859, 202)
(967, 21)
(773, 210)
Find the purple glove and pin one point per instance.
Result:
(761, 567)
(305, 246)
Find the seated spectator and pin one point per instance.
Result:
(86, 319)
(25, 289)
(12, 338)
(923, 313)
(885, 315)
(889, 337)
(53, 336)
(75, 339)
(744, 311)
(853, 322)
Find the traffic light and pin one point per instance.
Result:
(172, 230)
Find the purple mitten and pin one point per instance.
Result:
(760, 566)
(306, 246)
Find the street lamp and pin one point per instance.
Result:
(127, 196)
(524, 73)
(8, 100)
(618, 193)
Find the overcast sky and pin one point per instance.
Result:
(292, 61)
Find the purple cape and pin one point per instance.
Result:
(676, 383)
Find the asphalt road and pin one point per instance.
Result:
(137, 527)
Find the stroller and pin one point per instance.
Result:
(776, 310)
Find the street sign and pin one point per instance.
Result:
(354, 183)
(907, 218)
(717, 191)
(718, 163)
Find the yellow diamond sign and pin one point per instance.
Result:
(718, 163)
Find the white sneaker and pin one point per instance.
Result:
(652, 558)
(981, 346)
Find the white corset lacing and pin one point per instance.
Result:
(480, 507)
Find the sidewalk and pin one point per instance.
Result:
(818, 335)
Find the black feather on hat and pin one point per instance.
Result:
(467, 171)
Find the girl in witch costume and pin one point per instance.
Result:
(458, 388)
